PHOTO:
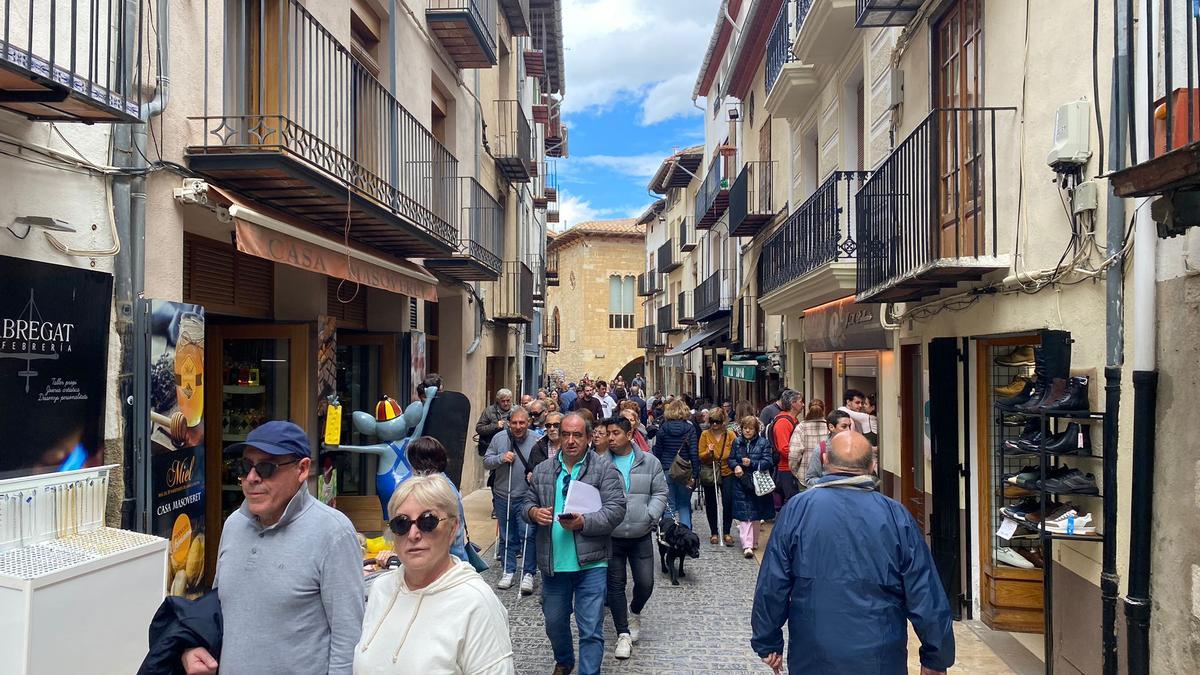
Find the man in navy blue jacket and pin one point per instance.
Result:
(846, 568)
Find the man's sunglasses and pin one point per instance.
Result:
(426, 522)
(552, 425)
(265, 469)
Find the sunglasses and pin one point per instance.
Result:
(426, 522)
(265, 469)
(552, 425)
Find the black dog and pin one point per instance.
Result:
(675, 542)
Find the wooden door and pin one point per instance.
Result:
(959, 87)
(912, 433)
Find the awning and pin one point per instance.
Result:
(746, 371)
(707, 336)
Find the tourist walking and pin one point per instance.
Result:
(280, 526)
(566, 400)
(716, 475)
(750, 453)
(434, 614)
(677, 438)
(573, 548)
(848, 608)
(608, 404)
(808, 435)
(509, 455)
(645, 502)
(780, 437)
(588, 401)
(494, 419)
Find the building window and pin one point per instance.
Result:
(620, 301)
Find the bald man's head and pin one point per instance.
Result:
(850, 452)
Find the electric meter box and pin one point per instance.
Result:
(1072, 137)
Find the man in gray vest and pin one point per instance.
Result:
(508, 455)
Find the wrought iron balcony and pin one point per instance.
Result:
(686, 230)
(556, 145)
(1166, 112)
(779, 45)
(538, 266)
(552, 213)
(517, 14)
(512, 144)
(481, 235)
(511, 299)
(467, 30)
(552, 268)
(648, 337)
(685, 314)
(818, 234)
(750, 199)
(551, 332)
(713, 196)
(927, 217)
(714, 296)
(61, 61)
(649, 283)
(666, 320)
(308, 131)
(880, 13)
(668, 261)
(551, 181)
(751, 331)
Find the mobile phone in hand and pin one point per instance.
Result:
(568, 516)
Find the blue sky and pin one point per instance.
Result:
(631, 66)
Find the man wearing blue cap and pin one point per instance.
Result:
(288, 565)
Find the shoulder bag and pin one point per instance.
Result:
(764, 484)
(681, 468)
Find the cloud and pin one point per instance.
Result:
(574, 210)
(645, 50)
(635, 166)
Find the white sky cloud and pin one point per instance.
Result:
(574, 210)
(635, 166)
(650, 50)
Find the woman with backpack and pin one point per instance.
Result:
(837, 422)
(716, 475)
(751, 453)
(675, 447)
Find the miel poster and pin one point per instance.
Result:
(176, 351)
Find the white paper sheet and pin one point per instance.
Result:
(581, 498)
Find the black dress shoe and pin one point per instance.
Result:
(1074, 398)
(1076, 439)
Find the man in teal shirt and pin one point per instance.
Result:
(573, 548)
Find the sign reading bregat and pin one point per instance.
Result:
(54, 325)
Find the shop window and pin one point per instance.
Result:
(621, 295)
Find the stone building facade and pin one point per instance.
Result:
(594, 340)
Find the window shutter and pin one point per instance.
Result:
(224, 281)
(352, 314)
(412, 313)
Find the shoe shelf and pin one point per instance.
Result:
(1092, 537)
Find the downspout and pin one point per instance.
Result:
(1145, 400)
(1114, 340)
(473, 287)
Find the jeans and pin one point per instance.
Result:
(710, 506)
(584, 593)
(513, 535)
(639, 553)
(679, 498)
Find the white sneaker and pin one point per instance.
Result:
(624, 646)
(1081, 525)
(506, 581)
(635, 626)
(1008, 556)
(527, 584)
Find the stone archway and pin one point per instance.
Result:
(632, 368)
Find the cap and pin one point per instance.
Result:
(277, 437)
(387, 409)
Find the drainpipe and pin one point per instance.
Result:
(1114, 341)
(1145, 401)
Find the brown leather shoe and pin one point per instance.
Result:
(1016, 491)
(1012, 388)
(729, 540)
(1021, 356)
(560, 669)
(713, 540)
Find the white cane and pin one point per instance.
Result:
(507, 520)
(720, 505)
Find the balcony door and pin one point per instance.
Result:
(958, 36)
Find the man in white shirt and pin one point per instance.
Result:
(607, 402)
(852, 405)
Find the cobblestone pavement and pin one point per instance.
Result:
(700, 626)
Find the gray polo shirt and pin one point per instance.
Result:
(292, 593)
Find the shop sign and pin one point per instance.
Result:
(54, 326)
(281, 248)
(176, 396)
(844, 325)
(746, 371)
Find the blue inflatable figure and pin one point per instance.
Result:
(394, 430)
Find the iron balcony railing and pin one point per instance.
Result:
(512, 144)
(686, 233)
(552, 268)
(648, 337)
(292, 88)
(668, 261)
(649, 283)
(751, 330)
(482, 226)
(1168, 107)
(713, 196)
(751, 199)
(685, 312)
(551, 333)
(666, 319)
(482, 25)
(66, 61)
(819, 232)
(512, 295)
(880, 13)
(538, 266)
(779, 45)
(933, 198)
(714, 295)
(517, 14)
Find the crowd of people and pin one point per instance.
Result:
(287, 559)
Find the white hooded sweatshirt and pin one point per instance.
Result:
(454, 625)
